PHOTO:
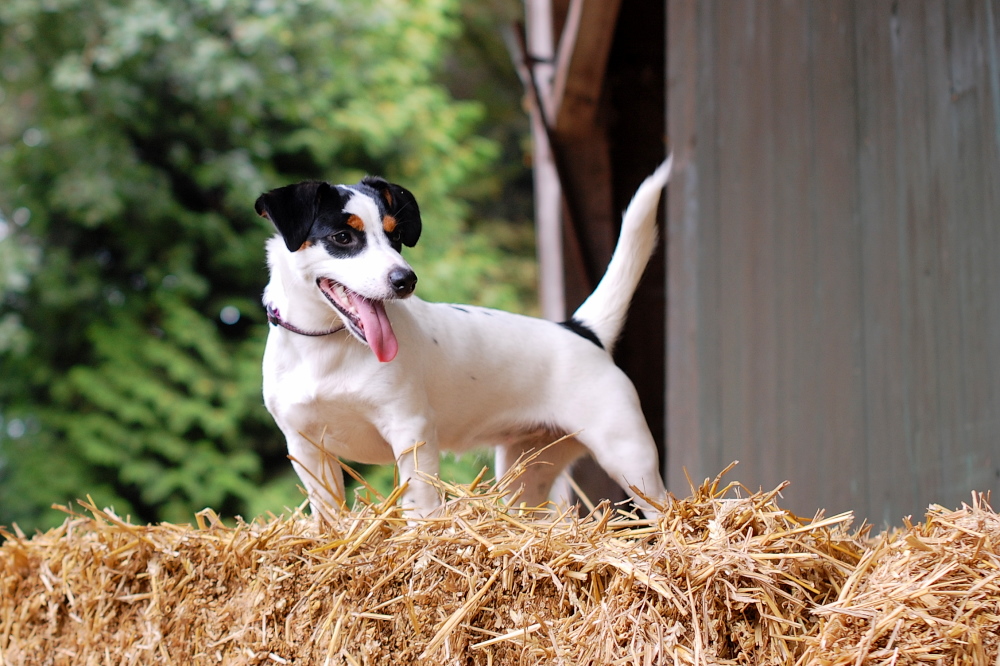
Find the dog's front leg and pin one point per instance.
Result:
(320, 473)
(417, 460)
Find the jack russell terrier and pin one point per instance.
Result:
(356, 366)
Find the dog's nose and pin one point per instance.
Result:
(403, 281)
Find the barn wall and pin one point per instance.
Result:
(833, 266)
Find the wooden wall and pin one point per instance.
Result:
(833, 267)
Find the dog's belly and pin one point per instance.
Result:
(485, 435)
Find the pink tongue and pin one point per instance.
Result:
(378, 330)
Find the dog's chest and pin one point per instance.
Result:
(335, 410)
(343, 426)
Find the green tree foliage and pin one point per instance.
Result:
(134, 137)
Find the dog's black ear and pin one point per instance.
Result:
(293, 209)
(402, 206)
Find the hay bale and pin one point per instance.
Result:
(719, 579)
(929, 593)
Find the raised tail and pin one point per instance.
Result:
(604, 311)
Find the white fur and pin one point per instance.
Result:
(463, 378)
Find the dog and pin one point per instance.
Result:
(356, 366)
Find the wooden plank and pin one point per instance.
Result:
(582, 59)
(548, 193)
(730, 260)
(714, 317)
(836, 388)
(587, 178)
(746, 94)
(757, 160)
(887, 414)
(921, 271)
(580, 143)
(983, 279)
(941, 245)
(794, 454)
(972, 462)
(710, 159)
(684, 335)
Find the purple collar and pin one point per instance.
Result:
(273, 317)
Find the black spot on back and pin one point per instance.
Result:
(582, 330)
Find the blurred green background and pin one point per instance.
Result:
(135, 136)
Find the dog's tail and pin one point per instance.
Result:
(605, 309)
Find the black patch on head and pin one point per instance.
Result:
(582, 330)
(339, 238)
(294, 209)
(313, 211)
(401, 204)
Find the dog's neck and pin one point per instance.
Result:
(298, 302)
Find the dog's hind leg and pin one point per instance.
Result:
(612, 427)
(632, 461)
(627, 452)
(546, 457)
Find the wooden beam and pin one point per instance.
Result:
(580, 65)
(535, 66)
(685, 334)
(579, 142)
(583, 192)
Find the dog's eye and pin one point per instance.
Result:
(342, 238)
(396, 236)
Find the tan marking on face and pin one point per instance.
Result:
(305, 245)
(389, 224)
(356, 222)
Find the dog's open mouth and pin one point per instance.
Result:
(366, 318)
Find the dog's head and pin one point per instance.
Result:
(347, 239)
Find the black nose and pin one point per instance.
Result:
(403, 281)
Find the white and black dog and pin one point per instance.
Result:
(357, 367)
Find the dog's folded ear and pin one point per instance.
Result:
(293, 209)
(402, 206)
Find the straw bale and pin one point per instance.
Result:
(929, 593)
(720, 578)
